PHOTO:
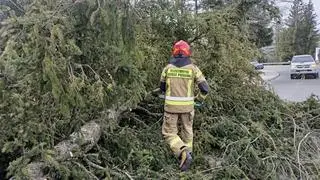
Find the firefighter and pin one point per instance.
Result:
(177, 83)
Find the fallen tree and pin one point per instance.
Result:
(78, 144)
(65, 64)
(82, 141)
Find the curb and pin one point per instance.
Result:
(273, 78)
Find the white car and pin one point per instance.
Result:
(303, 64)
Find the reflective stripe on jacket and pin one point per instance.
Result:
(179, 87)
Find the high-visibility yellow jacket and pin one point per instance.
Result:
(178, 79)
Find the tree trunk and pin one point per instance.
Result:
(78, 143)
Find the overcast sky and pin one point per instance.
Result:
(317, 9)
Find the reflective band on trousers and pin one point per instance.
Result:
(189, 144)
(171, 98)
(174, 141)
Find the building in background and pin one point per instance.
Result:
(317, 55)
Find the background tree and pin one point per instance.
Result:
(67, 63)
(259, 15)
(300, 35)
(310, 25)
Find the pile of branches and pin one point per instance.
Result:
(77, 99)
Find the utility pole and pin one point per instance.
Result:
(182, 6)
(196, 6)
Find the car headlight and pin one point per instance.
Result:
(313, 65)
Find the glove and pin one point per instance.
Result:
(198, 104)
(200, 97)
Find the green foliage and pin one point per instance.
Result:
(53, 81)
(66, 63)
(301, 35)
(258, 15)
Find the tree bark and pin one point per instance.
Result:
(78, 143)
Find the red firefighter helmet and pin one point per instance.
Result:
(181, 48)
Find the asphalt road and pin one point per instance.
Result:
(296, 90)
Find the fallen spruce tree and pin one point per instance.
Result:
(67, 64)
(78, 144)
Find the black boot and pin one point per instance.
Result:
(185, 160)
